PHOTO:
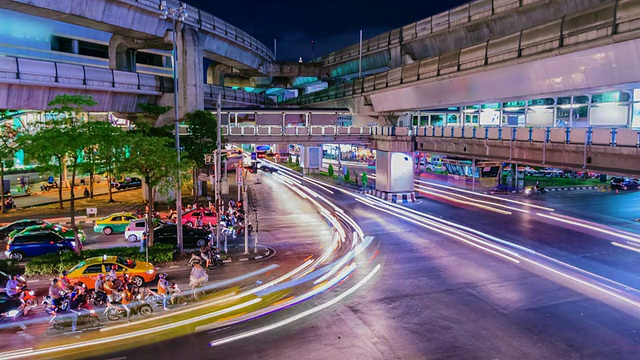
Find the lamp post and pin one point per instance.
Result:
(176, 15)
(255, 242)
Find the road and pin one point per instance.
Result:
(436, 297)
(287, 223)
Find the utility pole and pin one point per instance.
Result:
(360, 58)
(217, 169)
(177, 15)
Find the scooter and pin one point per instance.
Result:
(532, 190)
(86, 316)
(115, 313)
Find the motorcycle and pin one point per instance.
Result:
(532, 190)
(99, 298)
(115, 313)
(121, 283)
(86, 316)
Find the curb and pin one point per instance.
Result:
(565, 188)
(270, 252)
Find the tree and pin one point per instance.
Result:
(364, 180)
(107, 149)
(8, 147)
(155, 160)
(64, 140)
(203, 132)
(346, 176)
(330, 170)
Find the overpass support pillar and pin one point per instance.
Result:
(394, 177)
(122, 54)
(310, 159)
(190, 70)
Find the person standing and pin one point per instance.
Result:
(163, 285)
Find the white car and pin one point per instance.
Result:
(135, 229)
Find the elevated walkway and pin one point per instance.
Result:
(582, 51)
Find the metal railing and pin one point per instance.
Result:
(576, 136)
(603, 22)
(14, 69)
(463, 14)
(211, 93)
(212, 24)
(274, 130)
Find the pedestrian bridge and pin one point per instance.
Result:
(609, 150)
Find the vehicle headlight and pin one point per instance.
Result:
(151, 271)
(31, 292)
(92, 311)
(139, 296)
(12, 313)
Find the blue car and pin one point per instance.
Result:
(38, 243)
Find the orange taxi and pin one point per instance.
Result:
(88, 270)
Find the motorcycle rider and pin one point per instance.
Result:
(163, 285)
(55, 292)
(206, 253)
(99, 286)
(112, 273)
(65, 282)
(108, 289)
(77, 301)
(197, 278)
(127, 298)
(13, 286)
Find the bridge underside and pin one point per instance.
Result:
(18, 96)
(597, 158)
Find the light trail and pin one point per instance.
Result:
(297, 316)
(591, 227)
(632, 248)
(469, 203)
(474, 200)
(485, 195)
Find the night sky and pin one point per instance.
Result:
(331, 24)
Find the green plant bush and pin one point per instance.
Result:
(347, 177)
(53, 264)
(330, 170)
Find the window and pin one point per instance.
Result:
(145, 58)
(61, 44)
(116, 218)
(108, 266)
(93, 269)
(140, 225)
(196, 214)
(93, 49)
(210, 214)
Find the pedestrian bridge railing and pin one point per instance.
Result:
(577, 136)
(274, 130)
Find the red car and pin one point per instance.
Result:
(190, 218)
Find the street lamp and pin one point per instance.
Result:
(176, 15)
(255, 242)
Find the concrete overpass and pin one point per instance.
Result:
(32, 84)
(466, 25)
(595, 49)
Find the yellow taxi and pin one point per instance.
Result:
(114, 223)
(88, 270)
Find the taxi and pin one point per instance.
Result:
(114, 223)
(88, 270)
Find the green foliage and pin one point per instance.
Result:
(347, 177)
(53, 264)
(330, 170)
(297, 160)
(146, 122)
(364, 179)
(203, 128)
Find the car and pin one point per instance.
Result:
(38, 243)
(191, 217)
(88, 270)
(625, 184)
(267, 168)
(114, 223)
(137, 227)
(59, 229)
(19, 226)
(194, 238)
(128, 183)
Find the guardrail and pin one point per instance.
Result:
(463, 14)
(574, 136)
(269, 130)
(210, 23)
(43, 72)
(211, 93)
(619, 17)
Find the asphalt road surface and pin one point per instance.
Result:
(287, 223)
(436, 298)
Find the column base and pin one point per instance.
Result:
(396, 197)
(307, 171)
